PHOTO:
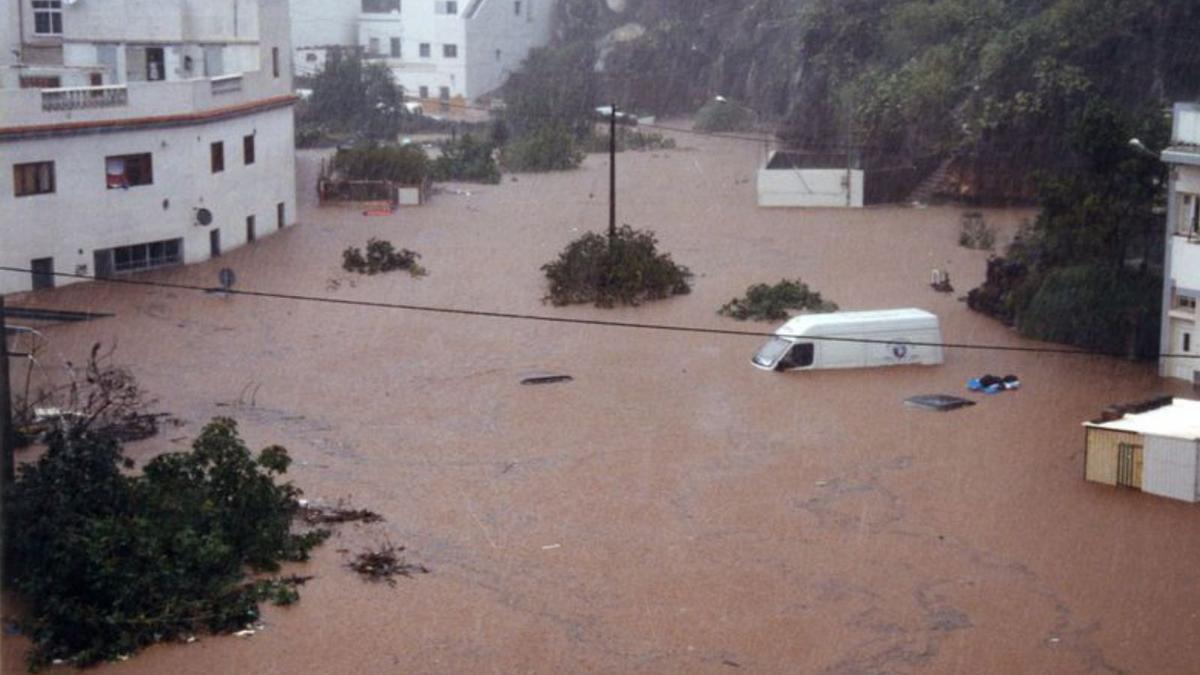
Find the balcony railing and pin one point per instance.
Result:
(225, 84)
(82, 98)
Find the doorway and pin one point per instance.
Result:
(43, 273)
(214, 243)
(155, 64)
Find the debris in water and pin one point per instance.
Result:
(315, 514)
(545, 378)
(994, 384)
(938, 402)
(385, 564)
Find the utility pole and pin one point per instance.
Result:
(612, 178)
(8, 440)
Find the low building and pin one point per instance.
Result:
(793, 179)
(137, 139)
(1180, 322)
(1153, 447)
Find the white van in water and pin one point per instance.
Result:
(890, 337)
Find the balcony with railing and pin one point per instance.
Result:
(83, 98)
(33, 109)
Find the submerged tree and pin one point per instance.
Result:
(110, 562)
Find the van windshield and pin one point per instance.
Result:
(771, 352)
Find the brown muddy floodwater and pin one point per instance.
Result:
(672, 509)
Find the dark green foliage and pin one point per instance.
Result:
(550, 149)
(630, 139)
(404, 164)
(999, 82)
(1094, 308)
(718, 116)
(1097, 229)
(771, 303)
(467, 159)
(352, 100)
(555, 88)
(627, 270)
(975, 233)
(381, 257)
(111, 562)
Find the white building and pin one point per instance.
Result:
(1180, 323)
(437, 49)
(140, 133)
(1155, 448)
(792, 179)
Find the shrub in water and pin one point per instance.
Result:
(552, 149)
(771, 303)
(111, 562)
(404, 164)
(466, 159)
(718, 115)
(975, 233)
(628, 270)
(381, 256)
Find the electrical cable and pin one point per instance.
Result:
(516, 316)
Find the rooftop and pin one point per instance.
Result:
(1180, 419)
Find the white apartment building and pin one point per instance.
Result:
(1180, 323)
(437, 49)
(137, 134)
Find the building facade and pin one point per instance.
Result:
(137, 134)
(1181, 293)
(437, 49)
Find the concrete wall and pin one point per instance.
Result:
(1170, 467)
(323, 23)
(10, 39)
(83, 215)
(809, 188)
(499, 37)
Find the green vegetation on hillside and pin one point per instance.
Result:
(998, 83)
(1086, 272)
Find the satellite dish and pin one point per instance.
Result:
(227, 278)
(203, 217)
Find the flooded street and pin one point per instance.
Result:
(672, 509)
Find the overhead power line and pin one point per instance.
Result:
(516, 316)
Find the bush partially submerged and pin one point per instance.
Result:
(111, 562)
(467, 159)
(771, 303)
(975, 233)
(551, 149)
(381, 257)
(631, 272)
(404, 164)
(720, 115)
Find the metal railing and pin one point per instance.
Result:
(81, 98)
(226, 84)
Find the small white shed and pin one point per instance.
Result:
(1156, 450)
(793, 179)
